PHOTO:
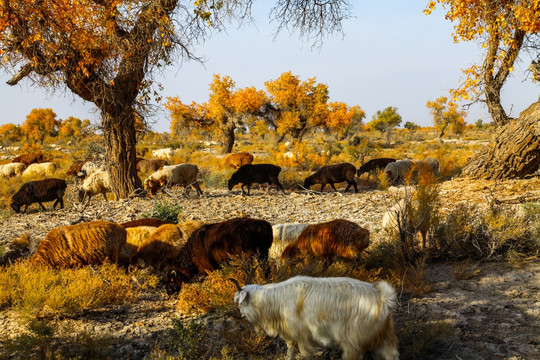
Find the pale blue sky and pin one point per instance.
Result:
(391, 55)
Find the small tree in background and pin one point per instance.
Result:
(300, 105)
(386, 121)
(9, 133)
(39, 124)
(412, 127)
(447, 116)
(343, 120)
(227, 110)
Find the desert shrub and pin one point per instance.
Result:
(424, 340)
(215, 177)
(164, 210)
(46, 339)
(471, 231)
(213, 293)
(383, 182)
(46, 292)
(189, 339)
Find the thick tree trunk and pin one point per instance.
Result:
(514, 152)
(120, 140)
(228, 144)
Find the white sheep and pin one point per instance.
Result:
(89, 168)
(40, 170)
(97, 183)
(397, 170)
(181, 174)
(12, 169)
(165, 153)
(316, 313)
(283, 235)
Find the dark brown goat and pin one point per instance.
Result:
(374, 164)
(341, 238)
(331, 174)
(82, 244)
(258, 173)
(28, 159)
(151, 165)
(213, 244)
(144, 222)
(39, 191)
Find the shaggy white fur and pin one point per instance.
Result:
(315, 313)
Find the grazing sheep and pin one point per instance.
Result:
(237, 160)
(181, 174)
(147, 165)
(312, 314)
(427, 164)
(166, 153)
(97, 183)
(165, 243)
(213, 244)
(144, 222)
(136, 236)
(398, 170)
(28, 159)
(12, 169)
(331, 174)
(374, 164)
(283, 235)
(341, 238)
(258, 173)
(40, 170)
(89, 168)
(76, 167)
(88, 243)
(37, 192)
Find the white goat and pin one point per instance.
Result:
(316, 313)
(283, 235)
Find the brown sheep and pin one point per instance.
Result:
(341, 238)
(213, 244)
(151, 165)
(374, 164)
(331, 174)
(76, 167)
(144, 222)
(236, 160)
(165, 243)
(88, 243)
(27, 159)
(136, 235)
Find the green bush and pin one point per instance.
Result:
(164, 210)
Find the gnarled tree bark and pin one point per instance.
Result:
(514, 151)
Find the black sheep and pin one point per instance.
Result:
(258, 173)
(39, 191)
(331, 174)
(374, 164)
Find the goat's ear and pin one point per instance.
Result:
(241, 297)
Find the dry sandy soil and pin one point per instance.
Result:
(496, 313)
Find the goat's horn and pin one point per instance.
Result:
(236, 283)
